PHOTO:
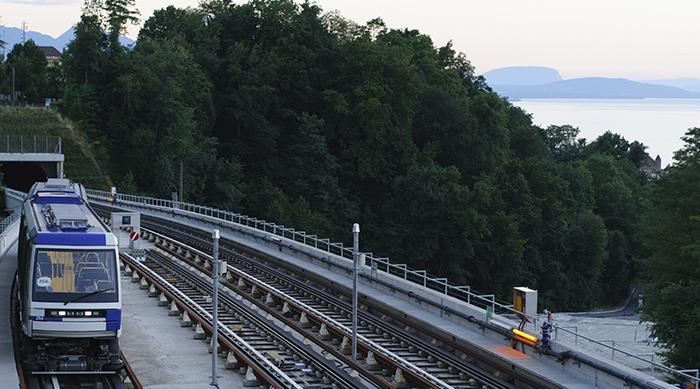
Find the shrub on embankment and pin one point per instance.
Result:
(80, 164)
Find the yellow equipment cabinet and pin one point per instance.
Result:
(525, 301)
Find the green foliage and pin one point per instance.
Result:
(118, 15)
(674, 314)
(79, 164)
(297, 214)
(30, 67)
(172, 23)
(671, 302)
(563, 143)
(424, 198)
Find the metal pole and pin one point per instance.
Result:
(355, 258)
(182, 196)
(215, 279)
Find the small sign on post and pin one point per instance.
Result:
(133, 240)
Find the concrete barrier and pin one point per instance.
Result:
(14, 199)
(9, 237)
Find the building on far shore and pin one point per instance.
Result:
(53, 56)
(652, 167)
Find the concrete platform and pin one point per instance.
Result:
(8, 368)
(163, 354)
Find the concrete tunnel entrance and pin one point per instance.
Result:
(22, 175)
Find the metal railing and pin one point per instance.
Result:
(30, 145)
(420, 277)
(8, 220)
(613, 349)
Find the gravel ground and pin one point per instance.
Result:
(629, 335)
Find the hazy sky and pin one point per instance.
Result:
(635, 39)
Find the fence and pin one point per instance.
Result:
(680, 374)
(30, 145)
(8, 220)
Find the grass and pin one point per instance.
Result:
(80, 164)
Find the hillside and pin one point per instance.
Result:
(80, 165)
(522, 75)
(689, 84)
(595, 88)
(13, 36)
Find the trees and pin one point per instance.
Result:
(563, 143)
(29, 64)
(118, 15)
(84, 62)
(315, 122)
(422, 200)
(671, 301)
(170, 23)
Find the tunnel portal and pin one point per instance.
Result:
(22, 175)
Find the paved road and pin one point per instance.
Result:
(621, 325)
(630, 308)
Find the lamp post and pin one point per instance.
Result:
(355, 261)
(215, 279)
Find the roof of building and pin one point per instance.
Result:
(50, 51)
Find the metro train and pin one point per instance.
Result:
(69, 284)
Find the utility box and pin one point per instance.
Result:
(126, 226)
(525, 301)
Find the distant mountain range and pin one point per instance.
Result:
(541, 82)
(13, 35)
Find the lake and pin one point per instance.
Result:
(657, 123)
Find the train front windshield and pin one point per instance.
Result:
(65, 275)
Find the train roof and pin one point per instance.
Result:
(57, 213)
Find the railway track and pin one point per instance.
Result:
(125, 379)
(431, 348)
(388, 355)
(249, 342)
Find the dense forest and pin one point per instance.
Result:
(302, 117)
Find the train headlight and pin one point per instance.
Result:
(69, 313)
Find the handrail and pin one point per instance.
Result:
(681, 373)
(8, 220)
(30, 144)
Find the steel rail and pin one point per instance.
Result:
(265, 368)
(418, 378)
(262, 320)
(388, 356)
(130, 372)
(380, 351)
